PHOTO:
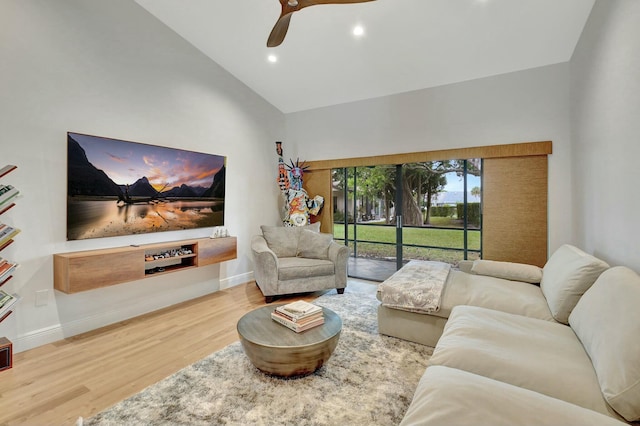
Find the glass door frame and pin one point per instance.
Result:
(398, 216)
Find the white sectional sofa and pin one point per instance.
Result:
(577, 362)
(502, 286)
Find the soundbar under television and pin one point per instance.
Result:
(116, 187)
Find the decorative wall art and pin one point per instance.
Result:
(298, 206)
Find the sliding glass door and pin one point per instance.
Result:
(363, 218)
(441, 211)
(389, 215)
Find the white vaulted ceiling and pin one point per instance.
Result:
(407, 44)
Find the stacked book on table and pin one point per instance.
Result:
(299, 316)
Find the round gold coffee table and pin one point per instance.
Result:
(276, 350)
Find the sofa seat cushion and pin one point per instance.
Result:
(607, 322)
(293, 268)
(447, 396)
(541, 356)
(494, 293)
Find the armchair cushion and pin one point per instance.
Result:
(283, 240)
(294, 268)
(314, 245)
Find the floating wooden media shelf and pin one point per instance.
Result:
(87, 270)
(169, 259)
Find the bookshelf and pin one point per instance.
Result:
(8, 301)
(78, 271)
(8, 195)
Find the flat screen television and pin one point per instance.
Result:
(116, 187)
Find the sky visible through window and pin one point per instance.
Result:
(455, 183)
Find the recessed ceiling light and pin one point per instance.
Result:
(272, 58)
(358, 31)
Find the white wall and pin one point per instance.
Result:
(605, 106)
(523, 106)
(109, 68)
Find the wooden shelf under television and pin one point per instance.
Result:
(87, 270)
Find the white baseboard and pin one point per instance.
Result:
(61, 331)
(236, 280)
(37, 338)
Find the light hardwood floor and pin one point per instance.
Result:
(82, 375)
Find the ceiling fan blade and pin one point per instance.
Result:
(306, 3)
(279, 31)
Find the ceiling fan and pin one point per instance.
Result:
(288, 7)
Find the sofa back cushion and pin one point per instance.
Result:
(568, 273)
(508, 271)
(283, 240)
(607, 322)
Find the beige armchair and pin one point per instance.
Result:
(289, 260)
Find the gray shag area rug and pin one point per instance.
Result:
(369, 380)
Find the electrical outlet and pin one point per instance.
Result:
(42, 297)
